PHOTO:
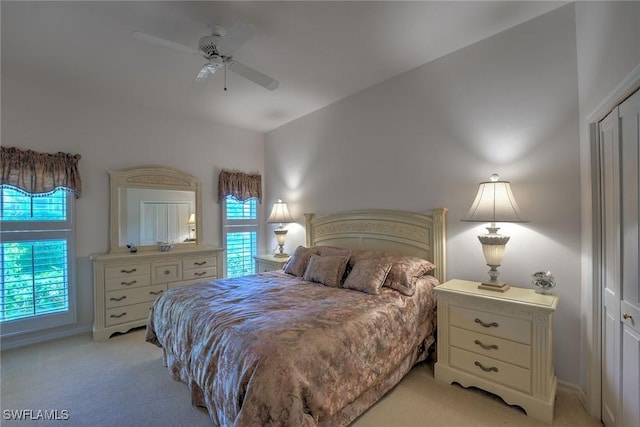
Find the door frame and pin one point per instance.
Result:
(592, 245)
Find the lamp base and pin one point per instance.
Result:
(281, 255)
(494, 286)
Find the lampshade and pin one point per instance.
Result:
(279, 214)
(494, 203)
(192, 219)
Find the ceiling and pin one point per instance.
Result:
(320, 52)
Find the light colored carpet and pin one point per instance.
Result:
(121, 382)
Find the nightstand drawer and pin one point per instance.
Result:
(491, 324)
(494, 370)
(490, 346)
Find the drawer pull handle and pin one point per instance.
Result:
(167, 272)
(486, 325)
(155, 293)
(200, 273)
(486, 347)
(118, 299)
(479, 365)
(200, 263)
(627, 316)
(118, 315)
(133, 270)
(129, 283)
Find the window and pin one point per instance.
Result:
(240, 235)
(36, 282)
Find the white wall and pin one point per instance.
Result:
(424, 140)
(608, 50)
(50, 116)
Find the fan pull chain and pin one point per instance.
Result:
(225, 76)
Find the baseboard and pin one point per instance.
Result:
(575, 390)
(17, 341)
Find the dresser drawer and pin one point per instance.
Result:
(200, 273)
(126, 283)
(166, 272)
(134, 296)
(491, 324)
(490, 346)
(128, 313)
(198, 263)
(124, 271)
(494, 370)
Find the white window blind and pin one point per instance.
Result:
(36, 277)
(240, 231)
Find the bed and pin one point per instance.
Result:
(312, 347)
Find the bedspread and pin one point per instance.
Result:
(271, 349)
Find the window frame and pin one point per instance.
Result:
(42, 230)
(239, 225)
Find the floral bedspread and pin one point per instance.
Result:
(271, 349)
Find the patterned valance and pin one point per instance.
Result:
(40, 173)
(240, 185)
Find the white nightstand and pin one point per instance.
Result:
(499, 342)
(269, 263)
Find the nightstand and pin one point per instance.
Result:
(269, 263)
(499, 342)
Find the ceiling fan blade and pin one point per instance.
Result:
(253, 75)
(235, 37)
(162, 42)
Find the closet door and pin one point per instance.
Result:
(610, 216)
(629, 113)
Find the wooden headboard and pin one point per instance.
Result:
(405, 233)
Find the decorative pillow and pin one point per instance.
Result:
(297, 264)
(368, 275)
(404, 271)
(327, 270)
(402, 276)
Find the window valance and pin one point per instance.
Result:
(40, 173)
(240, 185)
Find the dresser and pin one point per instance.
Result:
(269, 263)
(499, 342)
(126, 284)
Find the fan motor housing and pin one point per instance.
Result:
(207, 44)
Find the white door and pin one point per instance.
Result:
(610, 214)
(620, 213)
(629, 113)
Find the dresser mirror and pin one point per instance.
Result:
(154, 204)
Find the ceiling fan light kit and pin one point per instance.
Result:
(218, 49)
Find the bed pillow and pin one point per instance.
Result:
(368, 275)
(297, 264)
(403, 273)
(327, 270)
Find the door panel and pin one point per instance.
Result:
(629, 113)
(610, 168)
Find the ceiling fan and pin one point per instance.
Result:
(218, 49)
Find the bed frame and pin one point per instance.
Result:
(406, 233)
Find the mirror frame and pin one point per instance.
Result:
(155, 178)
